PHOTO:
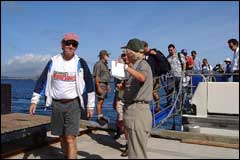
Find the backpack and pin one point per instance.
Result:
(189, 61)
(163, 65)
(218, 68)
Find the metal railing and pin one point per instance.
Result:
(172, 98)
(180, 97)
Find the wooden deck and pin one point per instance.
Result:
(19, 125)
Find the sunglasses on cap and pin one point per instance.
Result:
(71, 42)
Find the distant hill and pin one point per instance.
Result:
(32, 78)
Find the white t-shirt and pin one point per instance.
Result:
(206, 69)
(235, 64)
(64, 79)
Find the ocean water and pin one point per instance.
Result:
(22, 93)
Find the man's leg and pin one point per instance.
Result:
(101, 98)
(71, 127)
(125, 152)
(157, 101)
(63, 146)
(101, 119)
(119, 109)
(71, 146)
(156, 87)
(170, 90)
(138, 120)
(99, 106)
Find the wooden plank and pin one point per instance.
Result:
(211, 143)
(196, 136)
(19, 125)
(17, 121)
(213, 121)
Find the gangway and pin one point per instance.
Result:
(181, 99)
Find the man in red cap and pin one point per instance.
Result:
(67, 83)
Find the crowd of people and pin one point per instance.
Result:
(70, 89)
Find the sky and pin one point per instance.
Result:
(31, 32)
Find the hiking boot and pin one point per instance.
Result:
(125, 152)
(157, 109)
(102, 121)
(118, 134)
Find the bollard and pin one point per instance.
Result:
(6, 98)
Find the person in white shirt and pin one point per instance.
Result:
(197, 63)
(206, 67)
(67, 84)
(233, 45)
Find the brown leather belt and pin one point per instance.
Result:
(65, 100)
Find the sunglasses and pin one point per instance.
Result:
(71, 42)
(123, 55)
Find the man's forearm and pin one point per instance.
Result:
(97, 81)
(139, 76)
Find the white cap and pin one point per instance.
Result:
(227, 60)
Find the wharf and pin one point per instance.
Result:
(100, 145)
(98, 142)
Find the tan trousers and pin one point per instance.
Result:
(137, 119)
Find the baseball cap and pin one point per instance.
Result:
(104, 52)
(184, 51)
(70, 36)
(135, 45)
(227, 60)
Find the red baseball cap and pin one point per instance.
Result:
(70, 36)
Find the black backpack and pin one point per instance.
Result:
(163, 65)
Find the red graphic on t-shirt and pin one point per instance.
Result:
(64, 76)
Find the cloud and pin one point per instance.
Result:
(28, 65)
(12, 5)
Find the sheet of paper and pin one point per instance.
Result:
(118, 70)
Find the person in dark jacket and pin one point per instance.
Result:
(152, 57)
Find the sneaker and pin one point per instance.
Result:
(102, 121)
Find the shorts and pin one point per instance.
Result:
(104, 89)
(65, 118)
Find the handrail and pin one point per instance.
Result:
(176, 96)
(174, 100)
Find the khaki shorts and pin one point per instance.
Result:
(104, 89)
